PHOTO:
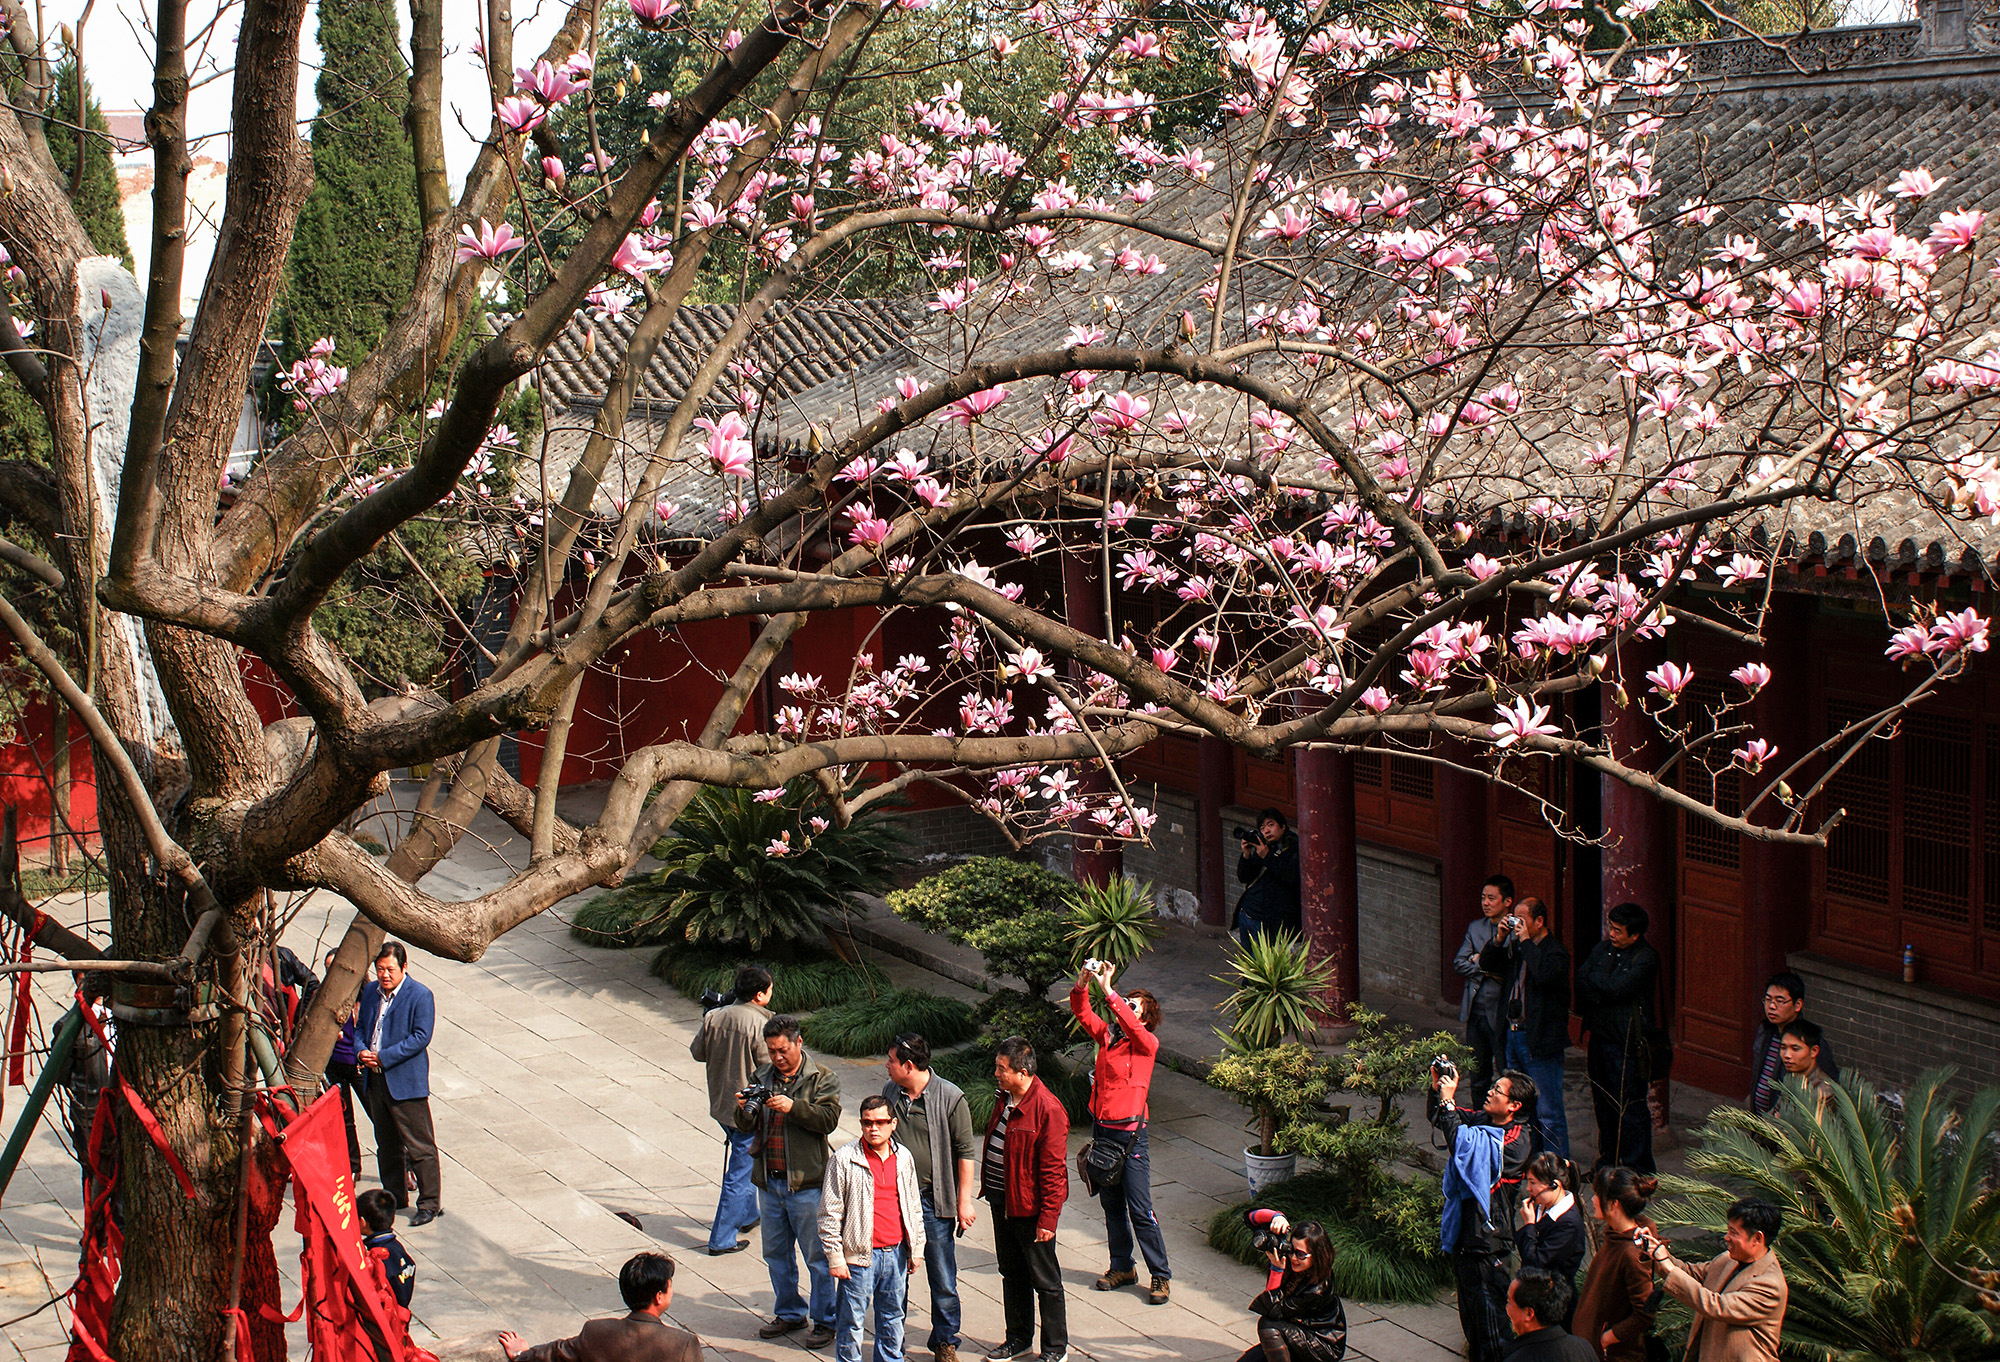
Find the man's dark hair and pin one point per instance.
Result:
(1520, 1088)
(644, 1277)
(1542, 1294)
(1632, 918)
(912, 1049)
(1500, 882)
(394, 948)
(1757, 1217)
(1532, 907)
(378, 1210)
(1275, 817)
(750, 981)
(872, 1101)
(1789, 982)
(1018, 1053)
(784, 1024)
(1809, 1034)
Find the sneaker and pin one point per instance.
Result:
(1062, 1356)
(820, 1336)
(778, 1328)
(1114, 1278)
(1007, 1352)
(1158, 1295)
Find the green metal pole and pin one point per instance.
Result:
(67, 1031)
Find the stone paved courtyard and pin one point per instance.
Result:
(564, 1094)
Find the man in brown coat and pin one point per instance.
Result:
(647, 1284)
(1739, 1299)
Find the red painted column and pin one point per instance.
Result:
(1093, 859)
(1461, 806)
(1329, 882)
(1776, 877)
(1217, 789)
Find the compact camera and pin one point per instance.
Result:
(753, 1099)
(1093, 964)
(1510, 923)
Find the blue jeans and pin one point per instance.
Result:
(941, 1266)
(738, 1204)
(1551, 1117)
(1128, 1207)
(792, 1218)
(885, 1283)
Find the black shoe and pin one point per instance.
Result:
(1007, 1352)
(819, 1337)
(424, 1216)
(740, 1245)
(778, 1328)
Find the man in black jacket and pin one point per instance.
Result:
(1784, 1003)
(1533, 968)
(1482, 1242)
(1269, 870)
(1616, 988)
(1536, 1303)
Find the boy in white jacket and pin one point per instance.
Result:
(870, 1251)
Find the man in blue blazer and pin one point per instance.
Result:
(393, 1031)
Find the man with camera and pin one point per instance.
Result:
(1739, 1298)
(1268, 868)
(1489, 1149)
(1479, 1006)
(792, 1104)
(731, 1043)
(1533, 966)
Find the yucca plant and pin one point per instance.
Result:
(1276, 990)
(741, 870)
(1892, 1228)
(1113, 922)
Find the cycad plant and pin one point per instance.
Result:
(1278, 991)
(1113, 922)
(1892, 1226)
(742, 870)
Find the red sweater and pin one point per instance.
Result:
(1124, 1070)
(1037, 1156)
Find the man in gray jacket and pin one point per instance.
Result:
(1479, 1007)
(869, 1253)
(935, 1125)
(731, 1043)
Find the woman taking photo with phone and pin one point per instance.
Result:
(1302, 1319)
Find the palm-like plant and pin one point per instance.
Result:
(741, 870)
(1891, 1228)
(1277, 990)
(1113, 922)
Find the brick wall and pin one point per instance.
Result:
(1173, 862)
(941, 836)
(1892, 1031)
(1399, 923)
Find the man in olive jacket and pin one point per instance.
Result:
(789, 1164)
(731, 1043)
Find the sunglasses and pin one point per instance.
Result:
(1302, 1253)
(884, 1121)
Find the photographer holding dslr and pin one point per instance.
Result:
(1269, 871)
(1302, 1319)
(792, 1104)
(731, 1043)
(1490, 1148)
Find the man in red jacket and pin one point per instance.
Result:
(1024, 1174)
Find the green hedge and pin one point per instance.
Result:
(1363, 1268)
(802, 983)
(867, 1026)
(971, 1068)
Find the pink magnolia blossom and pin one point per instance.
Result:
(973, 406)
(1914, 184)
(870, 530)
(519, 114)
(728, 450)
(1752, 676)
(653, 13)
(1753, 754)
(1523, 719)
(1375, 699)
(1165, 658)
(1670, 679)
(1121, 412)
(1956, 229)
(487, 243)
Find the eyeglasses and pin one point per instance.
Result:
(1302, 1253)
(884, 1121)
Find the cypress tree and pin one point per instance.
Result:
(96, 197)
(354, 255)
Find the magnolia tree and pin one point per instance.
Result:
(1277, 385)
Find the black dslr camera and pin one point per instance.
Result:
(711, 1000)
(1275, 1237)
(753, 1098)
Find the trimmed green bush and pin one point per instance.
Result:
(800, 982)
(1046, 1026)
(971, 1068)
(979, 890)
(1366, 1267)
(867, 1026)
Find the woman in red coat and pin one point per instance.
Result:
(1126, 1049)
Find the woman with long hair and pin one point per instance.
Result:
(1123, 1075)
(1615, 1310)
(1302, 1319)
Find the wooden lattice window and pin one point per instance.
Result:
(1368, 769)
(1937, 818)
(1860, 853)
(1705, 843)
(1412, 777)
